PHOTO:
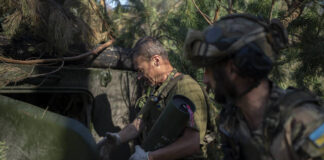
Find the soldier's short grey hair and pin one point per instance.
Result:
(148, 47)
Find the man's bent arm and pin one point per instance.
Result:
(186, 145)
(131, 131)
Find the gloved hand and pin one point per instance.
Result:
(139, 154)
(104, 146)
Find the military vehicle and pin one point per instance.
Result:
(59, 111)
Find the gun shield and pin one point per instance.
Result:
(170, 123)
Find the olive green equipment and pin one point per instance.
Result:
(29, 132)
(170, 123)
(154, 99)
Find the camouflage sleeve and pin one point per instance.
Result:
(304, 131)
(192, 90)
(140, 103)
(229, 148)
(228, 152)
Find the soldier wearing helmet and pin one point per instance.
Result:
(259, 120)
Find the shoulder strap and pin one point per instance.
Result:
(294, 98)
(165, 91)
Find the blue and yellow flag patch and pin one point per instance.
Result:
(317, 136)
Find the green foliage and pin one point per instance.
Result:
(308, 53)
(167, 21)
(300, 65)
(257, 8)
(3, 150)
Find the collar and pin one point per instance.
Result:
(164, 84)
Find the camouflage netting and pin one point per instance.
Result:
(50, 28)
(10, 74)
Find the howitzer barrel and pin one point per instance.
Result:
(170, 123)
(34, 133)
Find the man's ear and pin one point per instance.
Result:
(156, 59)
(232, 69)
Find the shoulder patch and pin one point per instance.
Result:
(317, 136)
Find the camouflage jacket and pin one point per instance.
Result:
(187, 87)
(292, 129)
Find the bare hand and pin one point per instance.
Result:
(108, 142)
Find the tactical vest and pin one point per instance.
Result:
(212, 139)
(152, 98)
(275, 116)
(149, 99)
(163, 91)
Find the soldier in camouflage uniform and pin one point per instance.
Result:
(259, 120)
(151, 61)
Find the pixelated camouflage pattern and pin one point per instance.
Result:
(288, 122)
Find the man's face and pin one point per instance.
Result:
(145, 69)
(217, 79)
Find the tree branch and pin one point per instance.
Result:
(49, 73)
(217, 11)
(203, 14)
(216, 14)
(295, 9)
(96, 9)
(230, 7)
(271, 9)
(37, 61)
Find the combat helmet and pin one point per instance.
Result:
(252, 43)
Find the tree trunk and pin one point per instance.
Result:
(202, 14)
(103, 4)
